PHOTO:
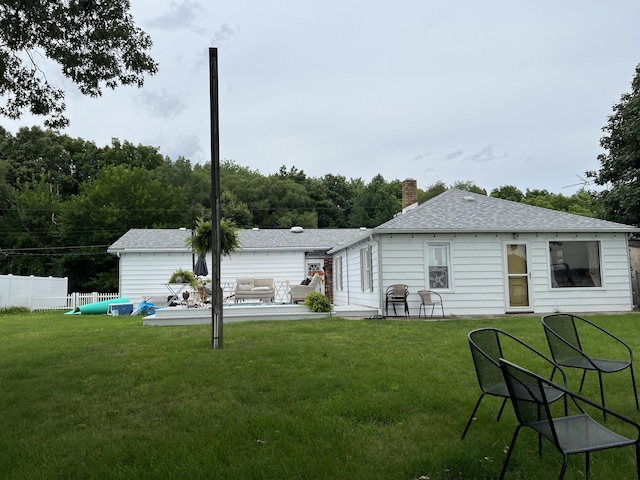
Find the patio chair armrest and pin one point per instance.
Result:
(611, 335)
(576, 397)
(541, 355)
(577, 350)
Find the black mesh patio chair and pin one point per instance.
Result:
(397, 295)
(570, 434)
(487, 348)
(567, 350)
(429, 298)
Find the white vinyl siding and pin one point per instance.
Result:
(143, 275)
(352, 293)
(478, 281)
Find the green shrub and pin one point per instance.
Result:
(317, 302)
(14, 310)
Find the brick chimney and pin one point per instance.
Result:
(409, 192)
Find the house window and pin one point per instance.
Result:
(438, 266)
(575, 264)
(366, 279)
(313, 267)
(337, 272)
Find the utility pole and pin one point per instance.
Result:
(216, 298)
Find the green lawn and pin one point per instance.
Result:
(97, 397)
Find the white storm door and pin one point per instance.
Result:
(517, 277)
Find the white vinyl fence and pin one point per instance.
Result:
(44, 293)
(69, 302)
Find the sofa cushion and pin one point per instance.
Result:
(261, 289)
(244, 283)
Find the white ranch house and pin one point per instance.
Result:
(484, 256)
(487, 256)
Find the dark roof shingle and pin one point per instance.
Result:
(462, 211)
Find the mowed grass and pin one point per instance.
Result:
(97, 397)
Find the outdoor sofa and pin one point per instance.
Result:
(255, 289)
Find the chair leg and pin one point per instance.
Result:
(509, 452)
(587, 465)
(601, 393)
(504, 402)
(584, 374)
(633, 382)
(565, 461)
(475, 409)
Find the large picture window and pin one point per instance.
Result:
(575, 264)
(366, 276)
(438, 266)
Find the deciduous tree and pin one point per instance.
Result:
(620, 165)
(95, 42)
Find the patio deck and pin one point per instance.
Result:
(242, 312)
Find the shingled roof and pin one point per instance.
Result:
(454, 211)
(167, 240)
(461, 211)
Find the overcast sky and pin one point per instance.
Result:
(497, 92)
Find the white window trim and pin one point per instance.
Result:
(337, 268)
(366, 274)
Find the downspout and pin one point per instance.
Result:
(626, 239)
(346, 275)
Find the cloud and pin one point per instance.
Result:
(485, 155)
(421, 157)
(162, 104)
(453, 155)
(223, 34)
(174, 146)
(184, 15)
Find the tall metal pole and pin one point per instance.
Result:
(216, 304)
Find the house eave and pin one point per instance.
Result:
(116, 251)
(514, 230)
(435, 231)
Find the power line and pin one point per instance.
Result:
(36, 249)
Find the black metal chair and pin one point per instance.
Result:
(487, 348)
(570, 434)
(397, 295)
(429, 298)
(567, 350)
